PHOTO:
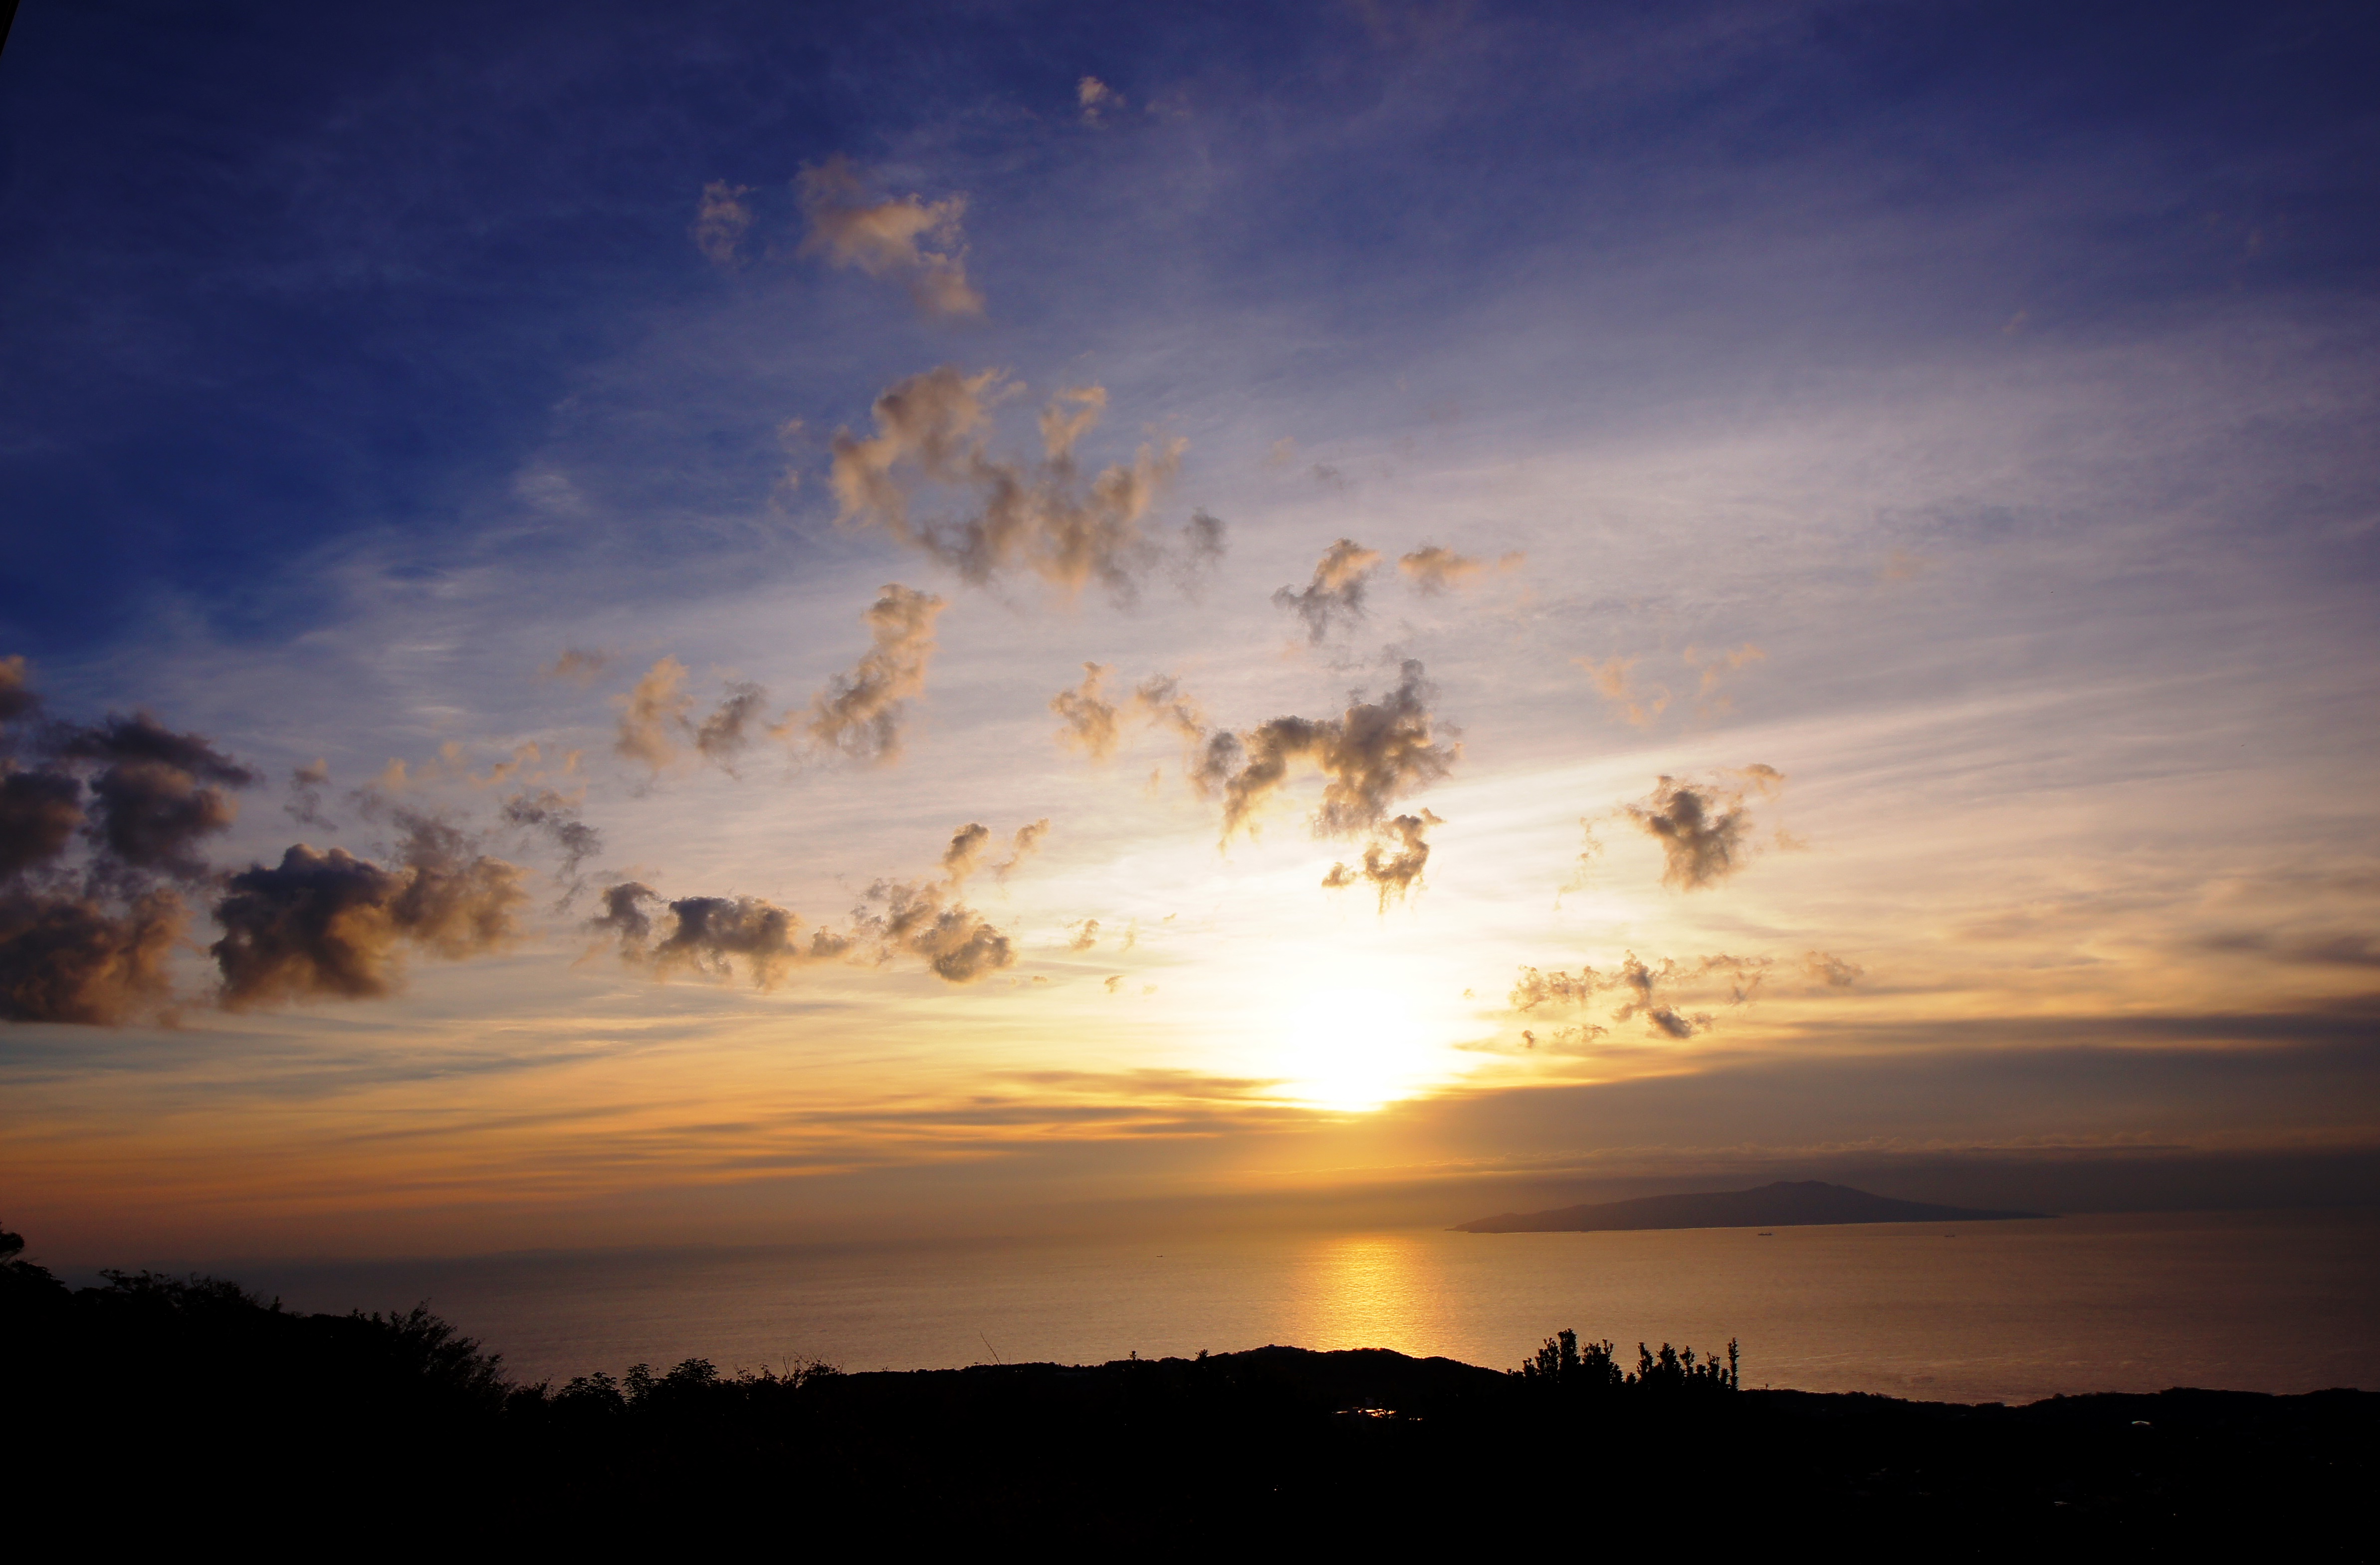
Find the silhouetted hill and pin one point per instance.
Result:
(1786, 1204)
(189, 1412)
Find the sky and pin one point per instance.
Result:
(745, 622)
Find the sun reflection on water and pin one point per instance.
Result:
(1379, 1291)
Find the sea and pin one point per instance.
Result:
(1971, 1312)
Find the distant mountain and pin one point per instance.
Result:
(1786, 1204)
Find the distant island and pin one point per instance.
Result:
(1786, 1204)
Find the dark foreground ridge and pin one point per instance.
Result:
(1786, 1204)
(177, 1411)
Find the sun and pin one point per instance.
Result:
(1354, 1049)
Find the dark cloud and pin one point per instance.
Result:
(332, 925)
(305, 802)
(39, 812)
(97, 952)
(1045, 517)
(1336, 593)
(714, 936)
(1369, 757)
(624, 913)
(926, 921)
(1646, 990)
(1204, 543)
(722, 735)
(1160, 702)
(717, 937)
(860, 714)
(555, 816)
(1638, 982)
(1705, 828)
(1393, 865)
(155, 791)
(75, 959)
(656, 720)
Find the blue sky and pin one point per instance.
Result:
(1966, 411)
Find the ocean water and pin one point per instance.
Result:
(1968, 1312)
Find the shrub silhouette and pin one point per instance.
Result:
(1562, 1366)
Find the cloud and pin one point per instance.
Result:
(1084, 934)
(1094, 726)
(652, 714)
(1160, 702)
(576, 665)
(712, 937)
(1830, 970)
(1641, 987)
(71, 959)
(1336, 593)
(1044, 517)
(1573, 1038)
(1023, 845)
(965, 855)
(39, 812)
(18, 701)
(1534, 988)
(305, 802)
(1086, 721)
(1369, 757)
(556, 818)
(1614, 682)
(1394, 864)
(1205, 541)
(98, 953)
(926, 921)
(1114, 983)
(1717, 666)
(1638, 981)
(717, 936)
(889, 236)
(1094, 98)
(720, 222)
(155, 791)
(860, 714)
(723, 734)
(1434, 570)
(1703, 829)
(329, 924)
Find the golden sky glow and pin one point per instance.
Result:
(946, 699)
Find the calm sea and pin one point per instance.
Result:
(2010, 1311)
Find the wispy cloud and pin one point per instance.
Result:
(918, 243)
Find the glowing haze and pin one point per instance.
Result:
(744, 624)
